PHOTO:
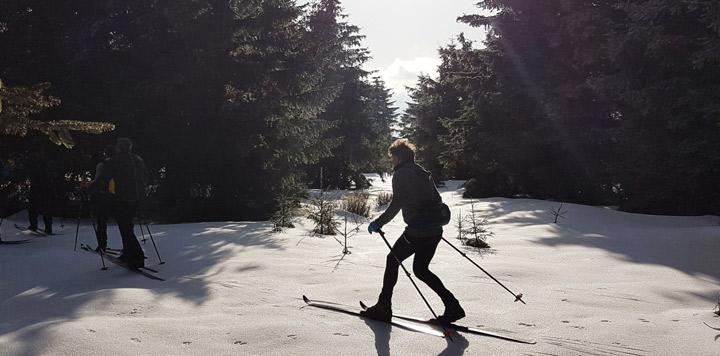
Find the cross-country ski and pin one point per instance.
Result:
(462, 328)
(14, 242)
(356, 312)
(142, 270)
(29, 231)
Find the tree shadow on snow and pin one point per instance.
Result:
(688, 249)
(46, 282)
(685, 243)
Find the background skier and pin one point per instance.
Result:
(130, 174)
(103, 200)
(42, 195)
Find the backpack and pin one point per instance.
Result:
(111, 184)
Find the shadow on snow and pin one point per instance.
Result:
(45, 282)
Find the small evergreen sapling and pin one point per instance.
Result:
(322, 212)
(357, 206)
(716, 310)
(345, 233)
(287, 208)
(472, 230)
(558, 213)
(460, 224)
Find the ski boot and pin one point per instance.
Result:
(453, 312)
(381, 311)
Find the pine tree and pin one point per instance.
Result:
(665, 69)
(37, 45)
(266, 124)
(435, 102)
(610, 97)
(18, 104)
(361, 114)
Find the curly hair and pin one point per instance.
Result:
(402, 149)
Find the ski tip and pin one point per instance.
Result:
(363, 305)
(306, 299)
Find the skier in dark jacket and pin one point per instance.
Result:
(104, 199)
(413, 191)
(43, 173)
(130, 175)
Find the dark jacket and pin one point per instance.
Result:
(130, 175)
(98, 172)
(413, 191)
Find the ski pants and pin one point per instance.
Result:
(124, 214)
(40, 204)
(103, 209)
(424, 250)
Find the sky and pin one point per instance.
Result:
(403, 36)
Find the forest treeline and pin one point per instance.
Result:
(230, 103)
(595, 102)
(234, 103)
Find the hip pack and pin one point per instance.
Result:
(433, 216)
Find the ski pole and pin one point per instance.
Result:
(153, 241)
(102, 256)
(445, 331)
(142, 216)
(77, 229)
(517, 296)
(142, 232)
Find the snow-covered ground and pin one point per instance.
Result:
(599, 282)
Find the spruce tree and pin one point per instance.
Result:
(361, 114)
(610, 97)
(18, 106)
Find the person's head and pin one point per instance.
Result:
(110, 150)
(402, 151)
(124, 144)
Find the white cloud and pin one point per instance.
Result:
(402, 67)
(404, 72)
(403, 36)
